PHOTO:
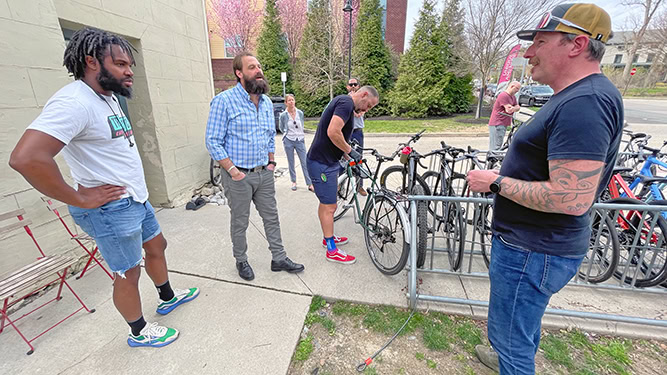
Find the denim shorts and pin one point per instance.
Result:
(325, 180)
(119, 228)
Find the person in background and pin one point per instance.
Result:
(291, 125)
(358, 129)
(501, 118)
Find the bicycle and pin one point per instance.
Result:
(215, 171)
(385, 222)
(399, 178)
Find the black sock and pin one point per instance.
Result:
(137, 325)
(165, 291)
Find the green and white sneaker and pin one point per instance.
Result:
(180, 296)
(153, 335)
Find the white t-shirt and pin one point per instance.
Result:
(96, 149)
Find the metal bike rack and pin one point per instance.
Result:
(414, 296)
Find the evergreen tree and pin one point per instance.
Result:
(426, 85)
(272, 51)
(371, 57)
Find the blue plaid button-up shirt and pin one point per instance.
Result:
(238, 130)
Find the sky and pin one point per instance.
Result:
(619, 14)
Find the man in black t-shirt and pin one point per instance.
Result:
(329, 145)
(557, 165)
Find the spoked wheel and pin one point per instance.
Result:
(395, 179)
(602, 257)
(384, 230)
(643, 237)
(451, 229)
(422, 226)
(344, 195)
(483, 227)
(215, 171)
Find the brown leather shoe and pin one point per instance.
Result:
(362, 191)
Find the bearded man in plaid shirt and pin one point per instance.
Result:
(240, 135)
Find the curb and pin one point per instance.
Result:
(427, 135)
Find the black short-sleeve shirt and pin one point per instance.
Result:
(582, 122)
(322, 149)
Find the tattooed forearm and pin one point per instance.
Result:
(570, 189)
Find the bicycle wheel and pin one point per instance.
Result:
(422, 226)
(395, 178)
(451, 229)
(601, 259)
(483, 227)
(215, 171)
(384, 230)
(344, 195)
(642, 239)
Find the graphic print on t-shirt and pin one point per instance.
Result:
(120, 126)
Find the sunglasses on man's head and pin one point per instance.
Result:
(353, 84)
(548, 17)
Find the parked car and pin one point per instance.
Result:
(278, 108)
(535, 95)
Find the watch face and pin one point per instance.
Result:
(494, 187)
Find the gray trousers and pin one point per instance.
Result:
(496, 136)
(259, 188)
(300, 148)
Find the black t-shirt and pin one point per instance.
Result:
(582, 122)
(322, 149)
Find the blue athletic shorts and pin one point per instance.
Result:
(119, 228)
(325, 180)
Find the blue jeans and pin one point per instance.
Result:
(300, 148)
(522, 282)
(119, 228)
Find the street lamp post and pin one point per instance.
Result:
(348, 9)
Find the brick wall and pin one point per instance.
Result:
(395, 32)
(223, 76)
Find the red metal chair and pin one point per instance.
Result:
(32, 279)
(82, 238)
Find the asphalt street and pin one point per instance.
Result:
(646, 111)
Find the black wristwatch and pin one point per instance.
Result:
(272, 162)
(495, 185)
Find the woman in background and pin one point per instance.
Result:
(291, 125)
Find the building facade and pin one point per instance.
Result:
(172, 90)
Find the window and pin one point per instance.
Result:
(650, 57)
(635, 58)
(618, 58)
(233, 45)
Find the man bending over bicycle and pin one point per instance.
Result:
(329, 145)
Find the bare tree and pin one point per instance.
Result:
(293, 20)
(650, 7)
(492, 27)
(320, 64)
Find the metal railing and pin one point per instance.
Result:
(645, 250)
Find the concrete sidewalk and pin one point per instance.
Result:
(239, 327)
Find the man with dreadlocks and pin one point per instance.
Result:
(110, 198)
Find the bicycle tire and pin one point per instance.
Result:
(215, 172)
(604, 259)
(383, 226)
(344, 194)
(485, 235)
(433, 181)
(652, 275)
(422, 227)
(394, 178)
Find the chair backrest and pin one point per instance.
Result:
(21, 223)
(53, 206)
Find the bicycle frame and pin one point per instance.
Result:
(654, 188)
(631, 214)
